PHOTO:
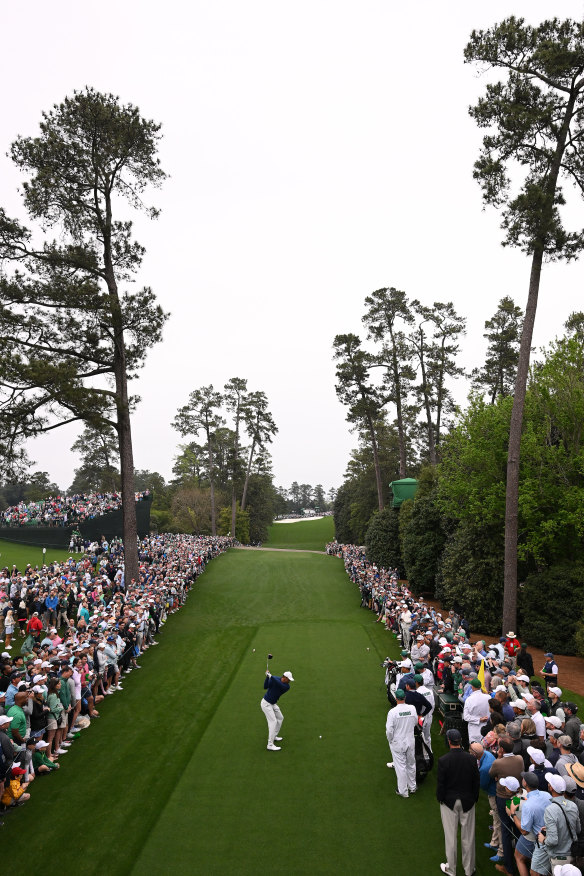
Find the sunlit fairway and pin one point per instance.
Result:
(175, 777)
(302, 535)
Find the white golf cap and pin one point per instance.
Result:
(566, 870)
(557, 691)
(557, 782)
(511, 783)
(4, 719)
(536, 754)
(41, 744)
(288, 675)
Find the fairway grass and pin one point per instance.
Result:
(175, 777)
(19, 555)
(302, 535)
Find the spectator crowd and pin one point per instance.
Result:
(72, 631)
(527, 738)
(64, 510)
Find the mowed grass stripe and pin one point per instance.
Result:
(234, 795)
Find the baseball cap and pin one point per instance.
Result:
(557, 691)
(17, 771)
(511, 783)
(41, 745)
(4, 719)
(536, 754)
(400, 694)
(566, 870)
(553, 720)
(453, 735)
(530, 779)
(556, 782)
(288, 675)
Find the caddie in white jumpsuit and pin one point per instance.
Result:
(399, 730)
(476, 711)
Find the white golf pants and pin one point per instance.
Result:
(404, 762)
(274, 717)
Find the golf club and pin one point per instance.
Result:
(269, 658)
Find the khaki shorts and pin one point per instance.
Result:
(52, 724)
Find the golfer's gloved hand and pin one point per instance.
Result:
(268, 673)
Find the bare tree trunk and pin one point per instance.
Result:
(247, 474)
(512, 491)
(398, 410)
(431, 444)
(129, 525)
(513, 458)
(211, 486)
(376, 463)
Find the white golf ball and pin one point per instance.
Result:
(254, 650)
(320, 737)
(367, 648)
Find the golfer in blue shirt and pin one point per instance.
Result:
(274, 686)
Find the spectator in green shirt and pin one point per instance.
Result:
(17, 728)
(41, 763)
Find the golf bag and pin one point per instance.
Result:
(391, 673)
(424, 756)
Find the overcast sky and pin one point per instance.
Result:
(317, 151)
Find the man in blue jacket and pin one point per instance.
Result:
(485, 760)
(274, 686)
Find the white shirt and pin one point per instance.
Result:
(399, 727)
(476, 707)
(539, 722)
(429, 696)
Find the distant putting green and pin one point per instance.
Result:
(302, 535)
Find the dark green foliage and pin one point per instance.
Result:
(497, 376)
(100, 461)
(241, 523)
(382, 540)
(552, 606)
(471, 575)
(422, 535)
(261, 498)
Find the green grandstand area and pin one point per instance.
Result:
(302, 535)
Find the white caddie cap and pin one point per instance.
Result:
(288, 675)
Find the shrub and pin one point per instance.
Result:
(552, 606)
(382, 540)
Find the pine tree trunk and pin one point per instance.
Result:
(211, 486)
(398, 410)
(129, 525)
(513, 458)
(430, 425)
(247, 474)
(376, 463)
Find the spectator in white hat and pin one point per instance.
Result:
(562, 825)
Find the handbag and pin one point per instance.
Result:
(577, 847)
